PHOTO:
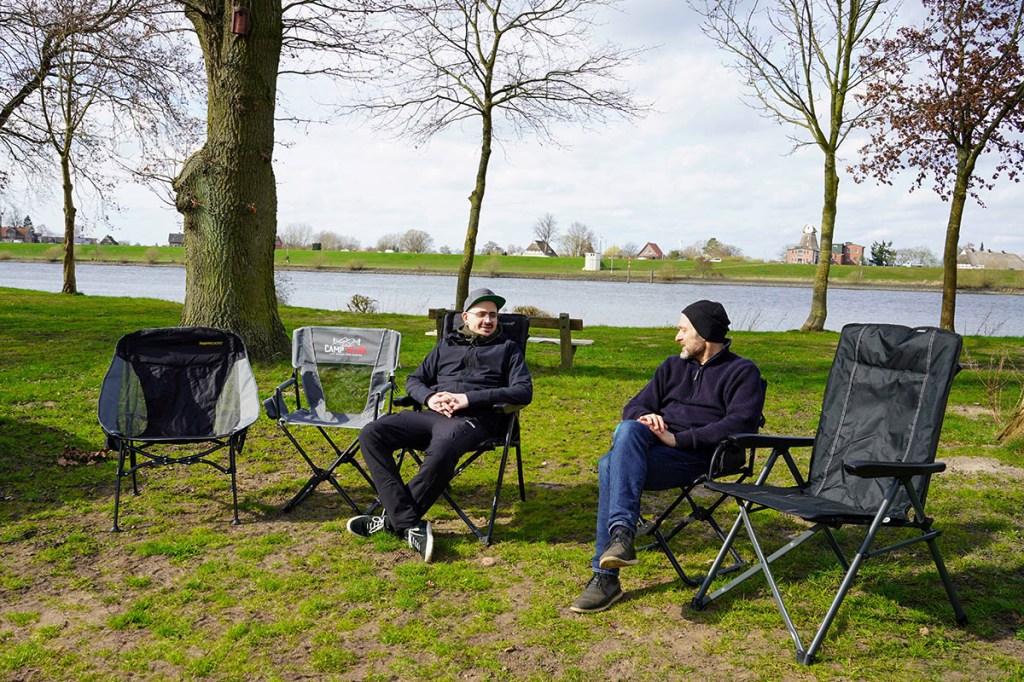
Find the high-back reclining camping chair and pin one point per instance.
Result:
(169, 387)
(733, 459)
(871, 460)
(348, 378)
(517, 328)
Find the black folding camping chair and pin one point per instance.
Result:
(172, 387)
(348, 378)
(871, 460)
(517, 328)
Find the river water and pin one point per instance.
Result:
(638, 304)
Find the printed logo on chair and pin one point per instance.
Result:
(345, 344)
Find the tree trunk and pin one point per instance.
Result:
(947, 318)
(70, 283)
(226, 191)
(819, 296)
(476, 200)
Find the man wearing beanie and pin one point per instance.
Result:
(668, 433)
(467, 373)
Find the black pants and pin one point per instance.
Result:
(441, 439)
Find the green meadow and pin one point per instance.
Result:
(736, 270)
(182, 594)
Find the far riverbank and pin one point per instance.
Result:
(738, 272)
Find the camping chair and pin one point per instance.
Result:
(732, 458)
(871, 460)
(177, 386)
(516, 327)
(348, 378)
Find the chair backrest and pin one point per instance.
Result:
(885, 400)
(513, 325)
(346, 370)
(178, 383)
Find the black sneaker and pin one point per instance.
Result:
(620, 551)
(601, 592)
(366, 525)
(421, 539)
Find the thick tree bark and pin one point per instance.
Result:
(819, 296)
(70, 283)
(226, 191)
(947, 318)
(476, 200)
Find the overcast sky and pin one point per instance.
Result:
(701, 165)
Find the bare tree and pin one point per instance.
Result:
(630, 249)
(796, 55)
(102, 88)
(415, 241)
(297, 235)
(917, 255)
(965, 99)
(34, 33)
(389, 242)
(577, 240)
(522, 63)
(546, 228)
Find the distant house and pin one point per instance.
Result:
(989, 260)
(651, 251)
(278, 244)
(176, 239)
(87, 241)
(108, 241)
(807, 250)
(26, 235)
(847, 253)
(540, 248)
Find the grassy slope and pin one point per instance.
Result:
(519, 266)
(183, 594)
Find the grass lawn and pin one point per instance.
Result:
(183, 594)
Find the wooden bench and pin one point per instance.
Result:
(563, 323)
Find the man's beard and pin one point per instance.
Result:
(688, 353)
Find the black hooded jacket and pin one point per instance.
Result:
(488, 369)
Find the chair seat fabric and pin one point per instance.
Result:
(305, 417)
(795, 502)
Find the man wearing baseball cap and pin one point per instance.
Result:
(668, 433)
(467, 373)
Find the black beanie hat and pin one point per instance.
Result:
(708, 319)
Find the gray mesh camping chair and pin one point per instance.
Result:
(176, 386)
(871, 460)
(347, 376)
(517, 328)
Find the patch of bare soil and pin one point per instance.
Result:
(983, 465)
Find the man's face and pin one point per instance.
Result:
(691, 344)
(482, 318)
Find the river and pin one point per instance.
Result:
(638, 304)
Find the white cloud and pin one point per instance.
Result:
(703, 164)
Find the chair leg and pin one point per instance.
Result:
(117, 489)
(234, 483)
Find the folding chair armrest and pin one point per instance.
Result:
(407, 401)
(869, 469)
(275, 405)
(760, 440)
(508, 408)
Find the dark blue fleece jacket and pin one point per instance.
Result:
(488, 369)
(701, 405)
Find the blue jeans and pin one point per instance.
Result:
(637, 461)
